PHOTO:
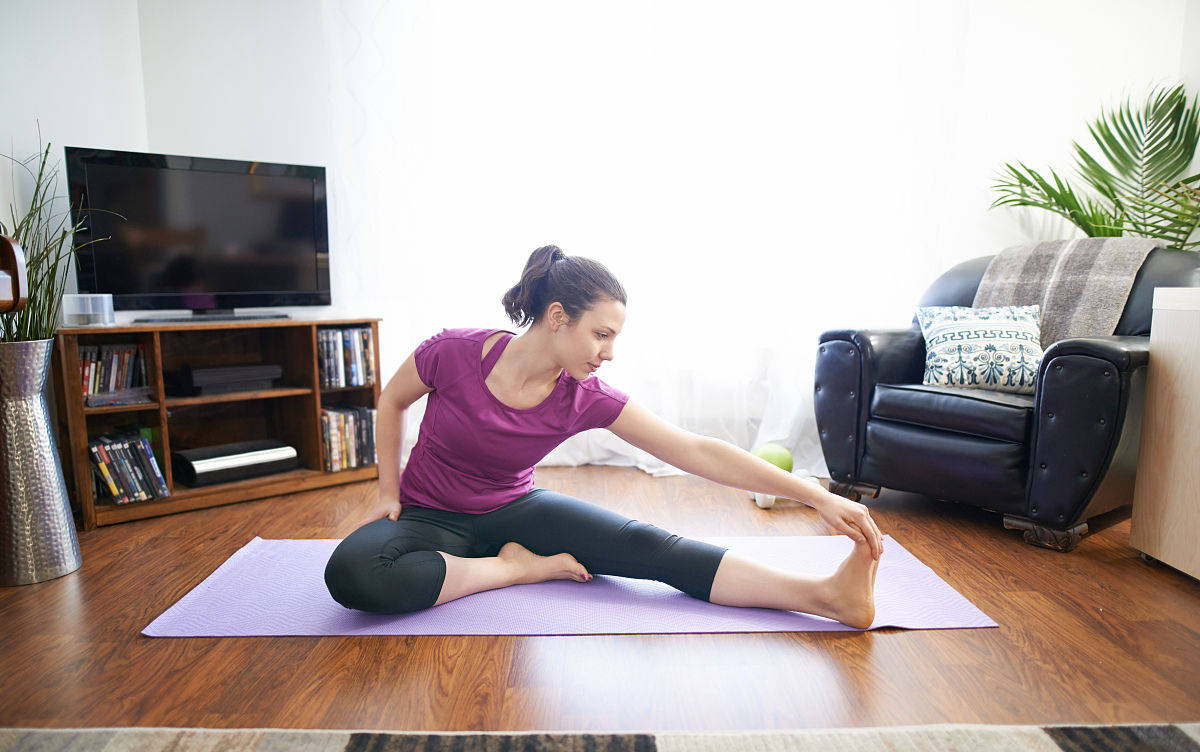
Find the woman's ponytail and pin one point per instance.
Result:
(575, 282)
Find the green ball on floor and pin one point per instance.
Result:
(779, 456)
(776, 454)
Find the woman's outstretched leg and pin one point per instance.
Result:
(548, 522)
(848, 595)
(604, 542)
(514, 565)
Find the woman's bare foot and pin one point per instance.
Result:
(532, 568)
(850, 591)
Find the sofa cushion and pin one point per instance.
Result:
(979, 412)
(986, 348)
(981, 472)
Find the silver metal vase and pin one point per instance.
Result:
(37, 531)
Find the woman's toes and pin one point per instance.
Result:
(581, 573)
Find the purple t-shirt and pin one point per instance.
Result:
(474, 453)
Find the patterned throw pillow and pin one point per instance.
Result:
(982, 348)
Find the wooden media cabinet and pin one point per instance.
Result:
(290, 411)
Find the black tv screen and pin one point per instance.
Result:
(198, 233)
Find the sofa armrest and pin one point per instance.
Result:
(1125, 353)
(1082, 398)
(850, 362)
(890, 356)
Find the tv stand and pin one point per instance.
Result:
(290, 411)
(214, 314)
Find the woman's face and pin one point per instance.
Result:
(590, 341)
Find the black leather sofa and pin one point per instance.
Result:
(1048, 462)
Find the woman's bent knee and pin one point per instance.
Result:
(384, 585)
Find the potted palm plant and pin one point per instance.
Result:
(34, 509)
(1139, 188)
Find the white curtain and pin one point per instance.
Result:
(754, 173)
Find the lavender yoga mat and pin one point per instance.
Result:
(277, 587)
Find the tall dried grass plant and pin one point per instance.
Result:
(43, 235)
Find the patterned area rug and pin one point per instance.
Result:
(958, 737)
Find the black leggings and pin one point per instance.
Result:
(391, 567)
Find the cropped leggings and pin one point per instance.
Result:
(392, 567)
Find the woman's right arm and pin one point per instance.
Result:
(401, 392)
(389, 441)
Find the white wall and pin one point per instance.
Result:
(238, 80)
(75, 67)
(1189, 55)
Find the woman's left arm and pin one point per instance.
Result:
(729, 465)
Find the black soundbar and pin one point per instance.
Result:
(222, 463)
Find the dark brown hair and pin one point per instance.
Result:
(577, 283)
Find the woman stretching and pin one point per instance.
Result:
(465, 516)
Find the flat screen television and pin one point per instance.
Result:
(197, 233)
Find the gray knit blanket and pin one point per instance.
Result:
(1081, 285)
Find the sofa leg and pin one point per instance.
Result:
(1047, 537)
(853, 491)
(844, 489)
(868, 490)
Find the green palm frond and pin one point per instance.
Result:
(1173, 214)
(1024, 186)
(1146, 149)
(1139, 191)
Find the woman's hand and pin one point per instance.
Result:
(852, 519)
(389, 508)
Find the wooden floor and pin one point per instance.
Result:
(1097, 635)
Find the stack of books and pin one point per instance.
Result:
(346, 357)
(347, 437)
(113, 374)
(124, 469)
